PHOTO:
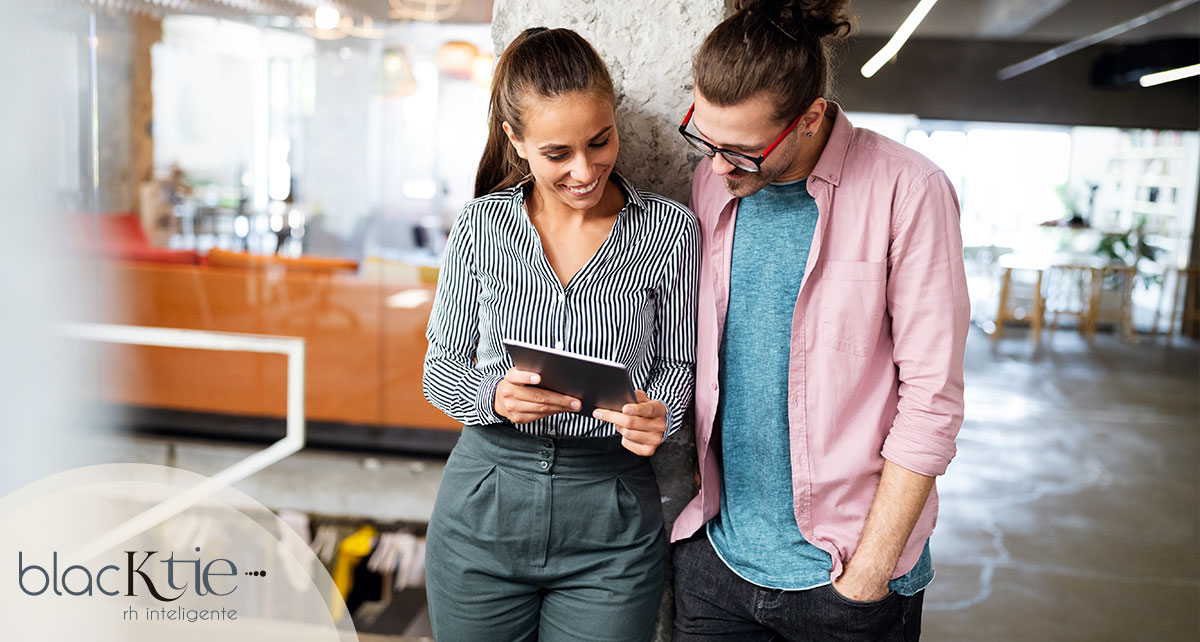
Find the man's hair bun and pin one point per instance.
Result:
(816, 18)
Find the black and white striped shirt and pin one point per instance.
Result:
(633, 302)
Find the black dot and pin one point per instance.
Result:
(197, 549)
(262, 573)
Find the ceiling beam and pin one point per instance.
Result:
(1051, 55)
(1006, 18)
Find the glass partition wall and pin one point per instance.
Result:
(255, 174)
(1076, 197)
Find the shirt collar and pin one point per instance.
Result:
(833, 157)
(631, 192)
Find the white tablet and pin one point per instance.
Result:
(596, 383)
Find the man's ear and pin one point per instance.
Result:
(811, 121)
(512, 138)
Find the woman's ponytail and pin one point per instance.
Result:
(500, 167)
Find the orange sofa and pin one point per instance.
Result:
(365, 342)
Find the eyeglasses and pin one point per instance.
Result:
(741, 161)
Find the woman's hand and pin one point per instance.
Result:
(519, 400)
(641, 424)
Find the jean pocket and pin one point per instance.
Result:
(858, 603)
(842, 619)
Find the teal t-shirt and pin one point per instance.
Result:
(755, 532)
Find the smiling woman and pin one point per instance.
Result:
(525, 73)
(571, 170)
(542, 507)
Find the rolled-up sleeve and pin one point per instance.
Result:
(672, 376)
(451, 382)
(930, 312)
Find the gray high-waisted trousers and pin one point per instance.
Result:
(544, 539)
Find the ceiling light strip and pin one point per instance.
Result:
(1012, 71)
(1171, 75)
(899, 38)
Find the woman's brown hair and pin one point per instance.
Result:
(539, 63)
(778, 46)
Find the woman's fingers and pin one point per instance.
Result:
(522, 377)
(521, 401)
(620, 420)
(641, 424)
(648, 410)
(540, 396)
(524, 388)
(641, 442)
(645, 432)
(535, 407)
(643, 450)
(635, 416)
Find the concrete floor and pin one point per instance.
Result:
(1071, 513)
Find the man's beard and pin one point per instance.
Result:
(751, 182)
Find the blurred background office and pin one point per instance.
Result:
(292, 167)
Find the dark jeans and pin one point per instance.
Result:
(712, 603)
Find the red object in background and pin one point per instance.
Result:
(120, 236)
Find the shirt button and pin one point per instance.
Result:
(558, 344)
(545, 454)
(715, 385)
(562, 296)
(543, 464)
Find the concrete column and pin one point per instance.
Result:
(1191, 328)
(147, 31)
(114, 74)
(649, 52)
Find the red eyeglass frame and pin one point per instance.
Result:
(710, 150)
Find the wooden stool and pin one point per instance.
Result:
(1070, 292)
(1188, 308)
(1006, 312)
(1114, 303)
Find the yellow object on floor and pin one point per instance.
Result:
(350, 554)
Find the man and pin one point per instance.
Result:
(832, 322)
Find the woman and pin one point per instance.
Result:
(548, 524)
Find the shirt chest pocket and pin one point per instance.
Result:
(851, 305)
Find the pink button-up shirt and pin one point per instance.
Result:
(878, 334)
